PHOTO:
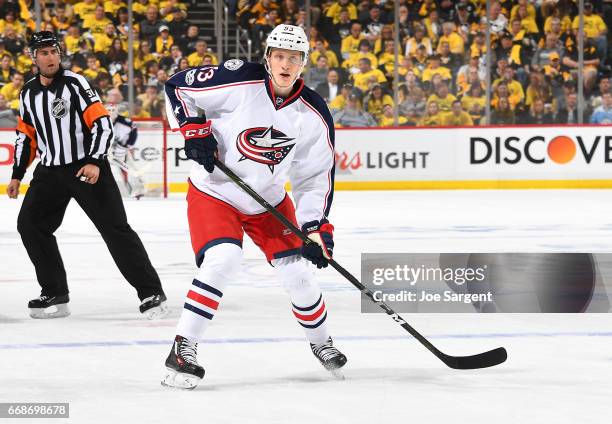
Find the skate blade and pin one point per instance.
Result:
(158, 312)
(337, 373)
(55, 311)
(176, 380)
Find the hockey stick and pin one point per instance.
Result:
(481, 360)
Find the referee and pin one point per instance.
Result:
(63, 119)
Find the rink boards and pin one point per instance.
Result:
(415, 158)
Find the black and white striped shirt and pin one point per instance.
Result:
(65, 122)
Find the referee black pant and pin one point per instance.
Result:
(42, 212)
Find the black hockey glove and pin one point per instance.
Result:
(200, 143)
(322, 234)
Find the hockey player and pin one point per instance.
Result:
(126, 134)
(267, 127)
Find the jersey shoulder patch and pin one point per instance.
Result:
(233, 64)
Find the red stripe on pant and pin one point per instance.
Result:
(311, 317)
(206, 301)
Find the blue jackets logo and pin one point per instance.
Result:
(264, 145)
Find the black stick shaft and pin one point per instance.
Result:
(451, 361)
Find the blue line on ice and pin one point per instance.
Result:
(300, 339)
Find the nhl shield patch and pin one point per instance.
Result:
(233, 64)
(59, 108)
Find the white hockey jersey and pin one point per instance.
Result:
(125, 131)
(265, 140)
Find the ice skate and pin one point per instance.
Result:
(330, 357)
(46, 307)
(184, 372)
(154, 307)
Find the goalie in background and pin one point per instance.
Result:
(129, 179)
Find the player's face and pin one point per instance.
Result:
(48, 61)
(285, 66)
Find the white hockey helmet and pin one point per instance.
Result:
(289, 37)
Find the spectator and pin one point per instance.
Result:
(163, 41)
(93, 68)
(542, 54)
(434, 68)
(352, 115)
(115, 53)
(196, 58)
(333, 12)
(14, 43)
(604, 87)
(115, 97)
(143, 55)
(320, 49)
(330, 88)
(474, 102)
(72, 38)
(350, 43)
(454, 40)
(374, 23)
(111, 7)
(443, 98)
(7, 115)
(188, 41)
(152, 102)
(432, 117)
(96, 23)
(603, 114)
(539, 113)
(11, 90)
(178, 25)
(457, 117)
(387, 118)
(367, 76)
(447, 59)
(139, 112)
(595, 30)
(515, 89)
(538, 88)
(502, 114)
(339, 101)
(149, 27)
(317, 75)
(498, 20)
(569, 113)
(169, 8)
(419, 39)
(6, 70)
(10, 20)
(375, 101)
(411, 104)
(104, 41)
(365, 51)
(591, 63)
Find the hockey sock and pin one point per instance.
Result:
(221, 264)
(307, 301)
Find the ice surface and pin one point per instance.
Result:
(107, 361)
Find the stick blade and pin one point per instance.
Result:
(481, 360)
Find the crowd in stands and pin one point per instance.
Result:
(442, 59)
(94, 42)
(441, 66)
